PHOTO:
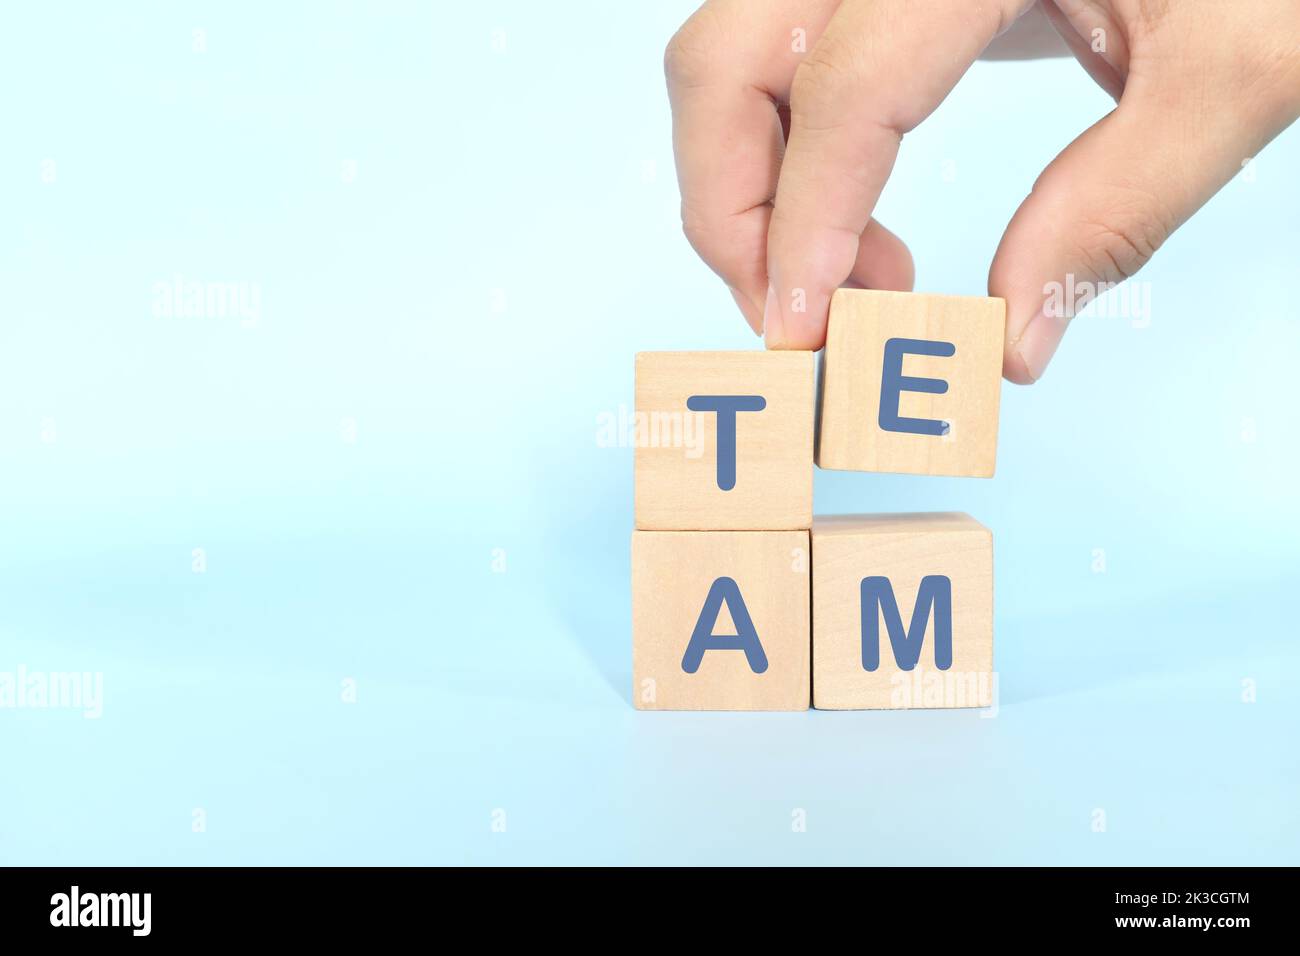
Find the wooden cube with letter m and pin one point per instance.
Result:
(902, 612)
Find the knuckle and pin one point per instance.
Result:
(1124, 236)
(819, 80)
(695, 228)
(679, 59)
(690, 51)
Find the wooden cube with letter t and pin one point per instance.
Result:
(910, 383)
(724, 441)
(720, 620)
(902, 612)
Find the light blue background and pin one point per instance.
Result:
(473, 300)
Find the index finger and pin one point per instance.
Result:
(879, 69)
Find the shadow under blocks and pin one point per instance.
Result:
(741, 598)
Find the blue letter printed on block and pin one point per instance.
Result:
(878, 596)
(726, 406)
(745, 639)
(893, 381)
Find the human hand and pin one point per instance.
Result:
(782, 155)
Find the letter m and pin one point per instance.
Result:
(878, 601)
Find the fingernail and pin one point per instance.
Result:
(1037, 342)
(773, 321)
(1019, 319)
(748, 310)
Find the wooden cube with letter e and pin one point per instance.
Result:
(911, 383)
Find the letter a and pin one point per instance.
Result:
(745, 639)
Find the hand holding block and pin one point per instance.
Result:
(724, 440)
(902, 611)
(910, 383)
(720, 620)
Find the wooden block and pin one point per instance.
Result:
(902, 611)
(720, 620)
(724, 440)
(910, 383)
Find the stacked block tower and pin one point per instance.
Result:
(741, 598)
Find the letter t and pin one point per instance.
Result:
(726, 406)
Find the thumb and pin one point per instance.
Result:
(1102, 208)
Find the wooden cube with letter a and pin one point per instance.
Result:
(902, 611)
(724, 440)
(910, 383)
(720, 620)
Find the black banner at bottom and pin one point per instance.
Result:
(336, 906)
